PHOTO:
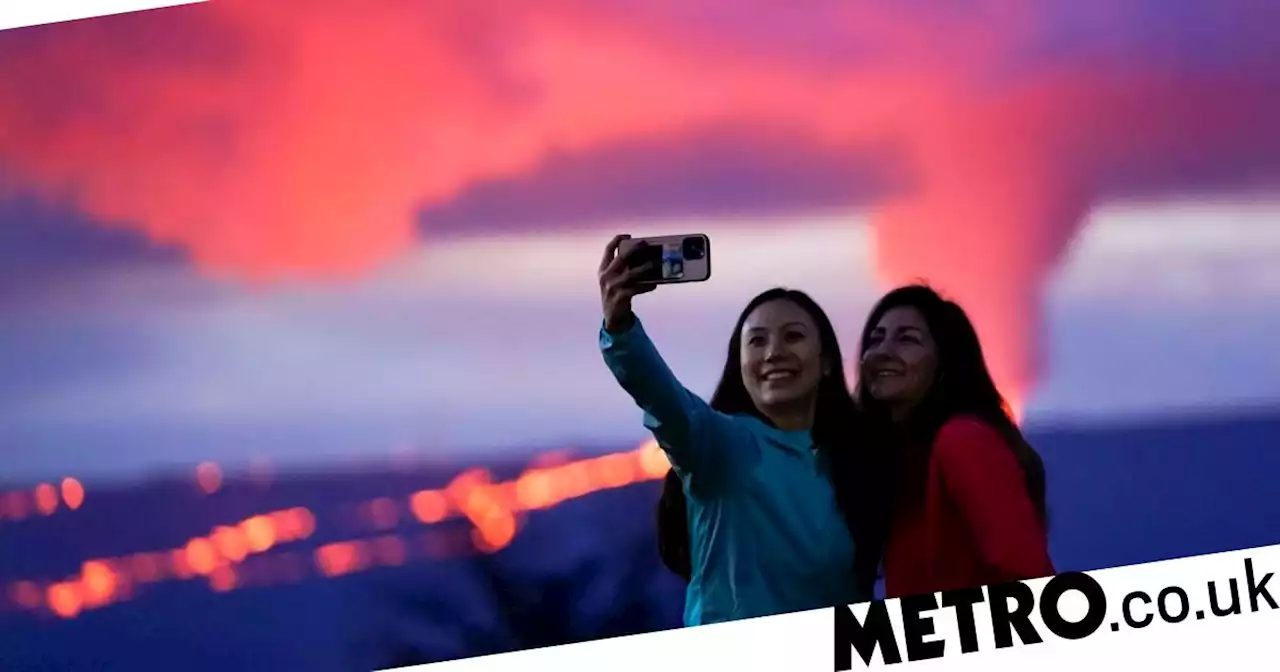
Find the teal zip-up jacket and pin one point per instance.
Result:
(766, 535)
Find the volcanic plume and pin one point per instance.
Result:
(292, 139)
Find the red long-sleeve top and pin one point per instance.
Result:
(975, 524)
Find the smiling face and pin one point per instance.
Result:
(781, 360)
(900, 360)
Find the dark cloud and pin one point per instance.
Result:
(715, 172)
(44, 246)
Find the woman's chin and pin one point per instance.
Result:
(781, 404)
(887, 394)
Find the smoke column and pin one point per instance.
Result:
(985, 227)
(278, 140)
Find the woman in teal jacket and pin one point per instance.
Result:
(767, 532)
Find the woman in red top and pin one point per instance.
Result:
(970, 508)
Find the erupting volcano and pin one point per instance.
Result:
(279, 140)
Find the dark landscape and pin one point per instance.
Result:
(584, 568)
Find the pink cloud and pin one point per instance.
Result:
(293, 139)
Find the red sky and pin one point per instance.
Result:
(273, 140)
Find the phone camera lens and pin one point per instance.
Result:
(694, 248)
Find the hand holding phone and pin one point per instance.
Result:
(669, 259)
(634, 266)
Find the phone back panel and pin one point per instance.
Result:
(675, 259)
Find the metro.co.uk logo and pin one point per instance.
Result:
(1069, 606)
(1160, 615)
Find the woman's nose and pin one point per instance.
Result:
(877, 350)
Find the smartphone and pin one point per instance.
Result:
(673, 259)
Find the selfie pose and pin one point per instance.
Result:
(970, 510)
(749, 517)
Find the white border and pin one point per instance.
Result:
(23, 13)
(804, 642)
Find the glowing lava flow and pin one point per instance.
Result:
(45, 499)
(229, 554)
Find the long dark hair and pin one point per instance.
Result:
(835, 432)
(962, 385)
